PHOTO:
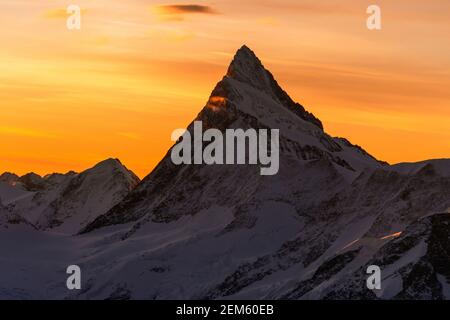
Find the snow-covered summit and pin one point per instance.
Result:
(248, 69)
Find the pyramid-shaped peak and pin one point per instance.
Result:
(247, 68)
(245, 48)
(245, 52)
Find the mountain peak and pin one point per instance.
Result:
(248, 69)
(110, 162)
(110, 166)
(245, 48)
(245, 52)
(32, 181)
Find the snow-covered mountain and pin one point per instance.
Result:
(225, 231)
(68, 202)
(247, 97)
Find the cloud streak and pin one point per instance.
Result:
(25, 132)
(177, 12)
(186, 9)
(55, 14)
(58, 13)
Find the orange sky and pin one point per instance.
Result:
(139, 69)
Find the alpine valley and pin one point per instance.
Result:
(227, 232)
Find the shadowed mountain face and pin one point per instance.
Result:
(215, 231)
(9, 178)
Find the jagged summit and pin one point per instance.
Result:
(247, 68)
(245, 51)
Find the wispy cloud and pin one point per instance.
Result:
(59, 13)
(176, 12)
(55, 14)
(25, 132)
(186, 8)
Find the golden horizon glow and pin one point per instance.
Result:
(138, 70)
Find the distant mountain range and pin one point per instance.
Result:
(225, 231)
(66, 202)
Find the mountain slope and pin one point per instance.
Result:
(10, 193)
(66, 203)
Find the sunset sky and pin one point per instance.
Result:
(138, 69)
